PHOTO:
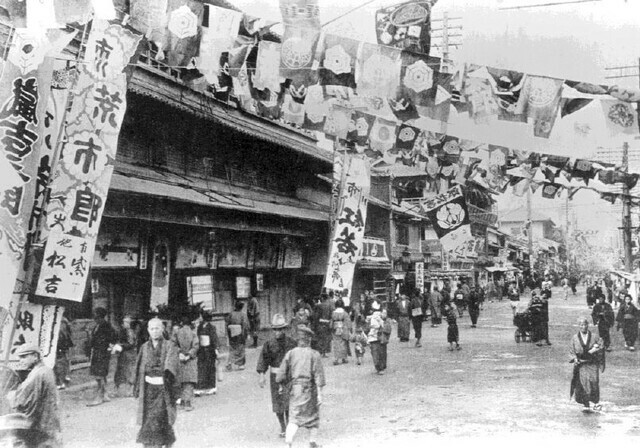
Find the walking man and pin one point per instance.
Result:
(271, 356)
(37, 398)
(102, 339)
(156, 374)
(302, 371)
(62, 366)
(475, 300)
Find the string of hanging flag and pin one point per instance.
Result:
(389, 101)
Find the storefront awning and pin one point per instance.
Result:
(398, 275)
(211, 193)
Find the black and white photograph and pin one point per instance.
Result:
(319, 223)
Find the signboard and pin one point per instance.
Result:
(374, 250)
(234, 255)
(243, 287)
(192, 254)
(259, 282)
(420, 276)
(200, 290)
(115, 250)
(292, 256)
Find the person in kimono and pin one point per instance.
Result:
(587, 356)
(237, 329)
(417, 316)
(324, 312)
(301, 317)
(435, 304)
(628, 319)
(302, 371)
(474, 303)
(271, 356)
(253, 316)
(100, 344)
(127, 351)
(403, 310)
(452, 326)
(37, 399)
(187, 343)
(341, 328)
(359, 338)
(63, 366)
(207, 356)
(603, 318)
(154, 387)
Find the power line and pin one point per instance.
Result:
(548, 4)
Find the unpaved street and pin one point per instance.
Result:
(491, 389)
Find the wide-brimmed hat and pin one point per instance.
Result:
(304, 330)
(278, 322)
(27, 349)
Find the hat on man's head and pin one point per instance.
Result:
(27, 349)
(278, 322)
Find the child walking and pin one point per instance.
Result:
(452, 329)
(360, 340)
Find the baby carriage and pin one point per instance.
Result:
(524, 323)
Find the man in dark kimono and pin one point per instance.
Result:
(187, 343)
(302, 371)
(273, 352)
(603, 318)
(37, 399)
(156, 372)
(102, 339)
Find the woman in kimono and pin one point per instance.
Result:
(301, 369)
(301, 317)
(207, 356)
(237, 329)
(156, 374)
(404, 324)
(628, 319)
(587, 352)
(341, 330)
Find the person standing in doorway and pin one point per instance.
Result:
(156, 376)
(37, 399)
(302, 371)
(237, 328)
(207, 355)
(271, 356)
(253, 315)
(100, 345)
(187, 343)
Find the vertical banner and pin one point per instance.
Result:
(449, 217)
(349, 227)
(82, 175)
(420, 276)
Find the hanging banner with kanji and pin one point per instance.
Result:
(449, 217)
(420, 276)
(24, 94)
(82, 175)
(349, 227)
(406, 26)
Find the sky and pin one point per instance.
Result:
(574, 41)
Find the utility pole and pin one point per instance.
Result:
(626, 213)
(446, 37)
(529, 226)
(566, 233)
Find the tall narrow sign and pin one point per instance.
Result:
(349, 227)
(83, 173)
